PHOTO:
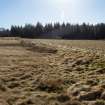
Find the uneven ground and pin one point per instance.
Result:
(52, 72)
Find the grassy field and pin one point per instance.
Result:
(52, 72)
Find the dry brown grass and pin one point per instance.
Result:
(42, 72)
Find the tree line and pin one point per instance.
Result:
(57, 30)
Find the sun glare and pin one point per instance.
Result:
(62, 1)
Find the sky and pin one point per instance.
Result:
(21, 12)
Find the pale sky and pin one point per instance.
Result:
(20, 12)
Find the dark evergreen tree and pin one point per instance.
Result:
(65, 31)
